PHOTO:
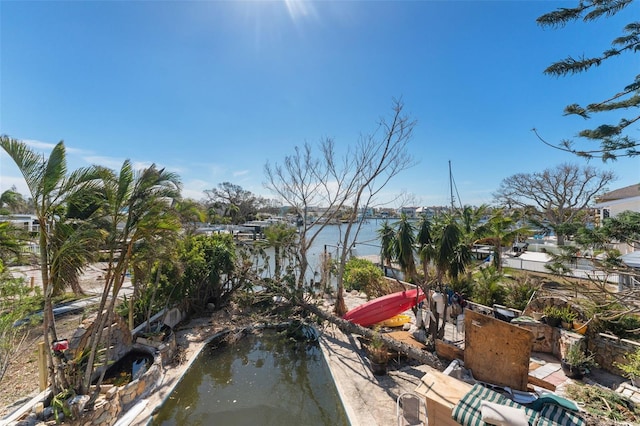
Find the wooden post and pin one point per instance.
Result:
(43, 374)
(33, 279)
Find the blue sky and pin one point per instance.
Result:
(214, 89)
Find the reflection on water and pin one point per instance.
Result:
(259, 380)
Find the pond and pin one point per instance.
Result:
(266, 379)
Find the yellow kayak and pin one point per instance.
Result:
(395, 321)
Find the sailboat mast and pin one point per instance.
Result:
(451, 188)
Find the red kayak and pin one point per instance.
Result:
(384, 307)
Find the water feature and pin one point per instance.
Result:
(258, 380)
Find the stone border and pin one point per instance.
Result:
(112, 401)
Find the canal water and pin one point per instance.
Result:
(259, 380)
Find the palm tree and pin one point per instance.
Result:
(501, 230)
(387, 244)
(137, 207)
(151, 257)
(470, 219)
(73, 246)
(280, 236)
(449, 255)
(190, 212)
(425, 241)
(404, 247)
(49, 187)
(488, 289)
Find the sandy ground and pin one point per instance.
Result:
(20, 382)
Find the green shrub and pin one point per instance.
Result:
(363, 275)
(567, 314)
(520, 291)
(463, 285)
(551, 311)
(631, 364)
(488, 290)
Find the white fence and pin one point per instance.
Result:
(525, 265)
(537, 266)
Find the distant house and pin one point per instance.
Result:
(366, 212)
(27, 222)
(410, 212)
(612, 204)
(615, 202)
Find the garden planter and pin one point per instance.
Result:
(580, 327)
(553, 321)
(572, 371)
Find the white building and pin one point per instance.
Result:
(612, 204)
(28, 222)
(615, 202)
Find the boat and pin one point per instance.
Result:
(395, 321)
(385, 307)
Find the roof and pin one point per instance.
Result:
(621, 193)
(535, 256)
(632, 259)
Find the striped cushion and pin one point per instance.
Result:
(467, 411)
(554, 415)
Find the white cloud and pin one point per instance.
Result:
(48, 146)
(39, 145)
(241, 173)
(109, 162)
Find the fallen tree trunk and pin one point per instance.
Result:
(348, 327)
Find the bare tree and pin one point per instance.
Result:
(557, 195)
(351, 182)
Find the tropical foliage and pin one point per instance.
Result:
(501, 230)
(363, 275)
(282, 238)
(50, 187)
(207, 270)
(16, 302)
(137, 206)
(12, 240)
(616, 308)
(488, 289)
